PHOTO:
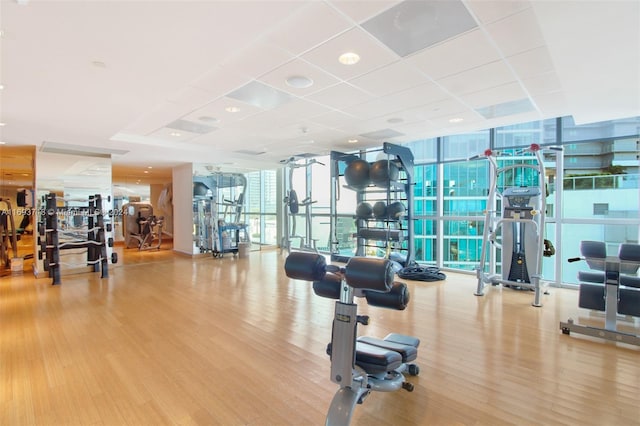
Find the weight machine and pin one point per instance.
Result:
(141, 227)
(612, 286)
(292, 205)
(520, 220)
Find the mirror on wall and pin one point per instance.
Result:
(16, 208)
(74, 179)
(219, 214)
(148, 185)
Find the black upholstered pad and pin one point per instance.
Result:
(403, 339)
(408, 353)
(374, 359)
(591, 277)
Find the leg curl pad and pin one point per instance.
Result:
(305, 266)
(369, 274)
(396, 298)
(328, 287)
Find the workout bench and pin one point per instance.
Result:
(359, 364)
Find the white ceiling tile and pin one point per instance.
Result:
(359, 10)
(392, 78)
(277, 78)
(467, 51)
(532, 62)
(517, 33)
(257, 59)
(543, 83)
(419, 95)
(333, 119)
(491, 10)
(438, 109)
(300, 108)
(495, 95)
(480, 78)
(220, 81)
(158, 117)
(340, 96)
(308, 26)
(192, 97)
(372, 54)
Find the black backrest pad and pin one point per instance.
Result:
(369, 274)
(305, 266)
(629, 255)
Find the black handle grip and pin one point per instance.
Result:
(574, 259)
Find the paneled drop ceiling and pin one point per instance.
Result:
(157, 82)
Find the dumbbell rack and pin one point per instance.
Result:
(378, 232)
(96, 241)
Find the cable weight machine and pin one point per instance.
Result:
(514, 223)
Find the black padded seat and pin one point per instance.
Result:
(374, 359)
(408, 352)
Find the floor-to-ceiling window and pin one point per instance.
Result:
(262, 200)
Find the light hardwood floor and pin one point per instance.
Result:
(168, 339)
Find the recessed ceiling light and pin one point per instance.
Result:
(175, 134)
(149, 167)
(2, 143)
(146, 171)
(232, 109)
(352, 141)
(1, 86)
(349, 58)
(395, 120)
(456, 120)
(3, 124)
(299, 81)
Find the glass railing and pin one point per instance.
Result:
(626, 181)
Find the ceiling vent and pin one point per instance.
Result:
(506, 108)
(382, 134)
(86, 151)
(192, 127)
(411, 26)
(249, 152)
(260, 95)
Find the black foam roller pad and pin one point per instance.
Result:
(369, 273)
(396, 298)
(328, 287)
(305, 266)
(380, 234)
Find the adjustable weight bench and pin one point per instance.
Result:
(359, 364)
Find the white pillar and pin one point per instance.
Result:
(183, 209)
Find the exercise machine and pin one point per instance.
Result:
(517, 229)
(141, 229)
(293, 204)
(359, 365)
(611, 285)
